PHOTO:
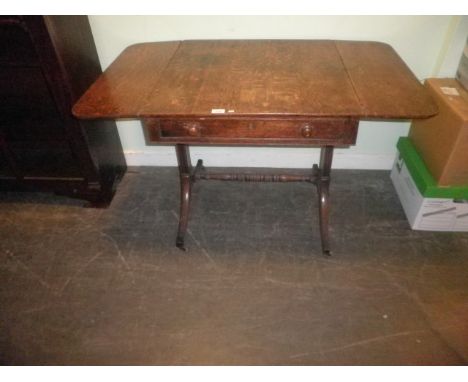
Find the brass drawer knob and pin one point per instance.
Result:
(194, 129)
(307, 131)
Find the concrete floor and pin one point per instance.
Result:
(89, 286)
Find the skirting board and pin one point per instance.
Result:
(260, 157)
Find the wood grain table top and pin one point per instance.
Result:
(257, 78)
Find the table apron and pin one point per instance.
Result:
(247, 131)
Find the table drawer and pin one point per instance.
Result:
(256, 131)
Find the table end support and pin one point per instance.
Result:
(185, 175)
(320, 176)
(323, 183)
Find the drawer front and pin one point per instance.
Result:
(339, 131)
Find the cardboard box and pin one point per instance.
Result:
(462, 71)
(442, 140)
(427, 206)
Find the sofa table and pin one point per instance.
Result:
(256, 93)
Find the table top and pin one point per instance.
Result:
(257, 78)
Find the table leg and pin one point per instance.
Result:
(185, 168)
(323, 183)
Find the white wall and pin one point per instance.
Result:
(430, 45)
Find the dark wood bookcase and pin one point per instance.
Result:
(46, 64)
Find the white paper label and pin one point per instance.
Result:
(217, 111)
(449, 91)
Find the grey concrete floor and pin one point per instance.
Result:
(88, 286)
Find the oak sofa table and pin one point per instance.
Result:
(256, 93)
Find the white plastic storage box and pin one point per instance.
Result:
(427, 206)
